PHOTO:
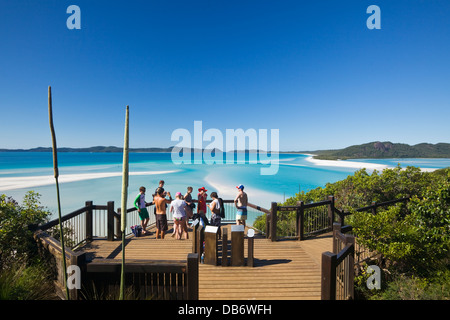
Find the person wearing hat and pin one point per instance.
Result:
(201, 209)
(241, 204)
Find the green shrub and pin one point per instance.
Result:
(16, 238)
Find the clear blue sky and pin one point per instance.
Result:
(311, 69)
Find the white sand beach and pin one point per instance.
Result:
(354, 164)
(346, 164)
(12, 183)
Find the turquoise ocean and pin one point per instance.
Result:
(97, 177)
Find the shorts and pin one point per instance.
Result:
(241, 214)
(143, 214)
(161, 222)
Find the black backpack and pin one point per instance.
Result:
(222, 208)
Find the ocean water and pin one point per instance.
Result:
(97, 177)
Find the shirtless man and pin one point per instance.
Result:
(241, 204)
(161, 217)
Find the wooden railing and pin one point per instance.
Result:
(338, 269)
(93, 222)
(373, 208)
(147, 279)
(311, 219)
(78, 259)
(102, 221)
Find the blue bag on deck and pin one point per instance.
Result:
(137, 230)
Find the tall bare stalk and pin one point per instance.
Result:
(124, 201)
(56, 174)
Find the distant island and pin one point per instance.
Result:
(372, 150)
(380, 150)
(109, 149)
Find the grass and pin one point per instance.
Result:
(21, 282)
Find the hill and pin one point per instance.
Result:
(378, 150)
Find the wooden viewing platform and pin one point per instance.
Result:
(314, 261)
(285, 269)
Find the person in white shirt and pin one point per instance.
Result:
(179, 215)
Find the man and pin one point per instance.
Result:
(161, 217)
(140, 204)
(241, 204)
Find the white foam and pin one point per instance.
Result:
(11, 183)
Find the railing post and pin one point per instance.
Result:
(194, 239)
(273, 221)
(199, 241)
(250, 247)
(301, 221)
(336, 229)
(268, 219)
(79, 260)
(89, 221)
(328, 291)
(349, 239)
(331, 211)
(110, 221)
(118, 226)
(192, 276)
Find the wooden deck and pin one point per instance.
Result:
(285, 270)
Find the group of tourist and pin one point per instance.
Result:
(182, 209)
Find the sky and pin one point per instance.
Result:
(311, 69)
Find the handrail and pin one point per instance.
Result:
(307, 223)
(342, 214)
(66, 217)
(72, 258)
(338, 269)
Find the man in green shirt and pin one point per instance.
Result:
(140, 205)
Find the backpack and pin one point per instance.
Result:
(222, 208)
(137, 230)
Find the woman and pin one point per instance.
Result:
(214, 206)
(188, 200)
(179, 215)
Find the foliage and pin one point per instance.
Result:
(404, 287)
(20, 282)
(25, 273)
(16, 238)
(413, 239)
